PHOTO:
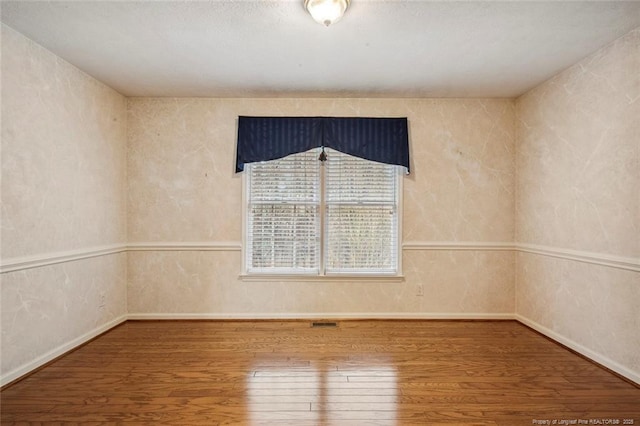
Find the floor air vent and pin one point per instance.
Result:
(324, 324)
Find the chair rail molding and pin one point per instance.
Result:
(44, 259)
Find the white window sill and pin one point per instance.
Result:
(320, 278)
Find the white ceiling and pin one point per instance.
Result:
(274, 48)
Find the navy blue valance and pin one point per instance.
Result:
(385, 140)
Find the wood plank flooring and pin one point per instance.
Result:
(360, 373)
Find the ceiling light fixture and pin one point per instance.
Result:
(326, 12)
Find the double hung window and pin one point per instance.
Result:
(304, 216)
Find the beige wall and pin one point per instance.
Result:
(578, 194)
(183, 189)
(63, 195)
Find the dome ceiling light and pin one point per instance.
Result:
(326, 12)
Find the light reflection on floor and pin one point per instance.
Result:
(323, 393)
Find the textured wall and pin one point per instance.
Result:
(182, 188)
(578, 188)
(63, 191)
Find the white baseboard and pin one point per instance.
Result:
(321, 315)
(634, 376)
(60, 350)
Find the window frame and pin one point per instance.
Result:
(322, 275)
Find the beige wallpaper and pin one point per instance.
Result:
(182, 188)
(578, 187)
(63, 152)
(205, 283)
(63, 191)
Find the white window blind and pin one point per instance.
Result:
(361, 215)
(356, 201)
(283, 219)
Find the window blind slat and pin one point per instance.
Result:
(353, 180)
(360, 215)
(284, 215)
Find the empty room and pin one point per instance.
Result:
(320, 212)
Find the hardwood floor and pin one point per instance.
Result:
(360, 373)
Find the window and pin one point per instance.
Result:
(304, 216)
(283, 217)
